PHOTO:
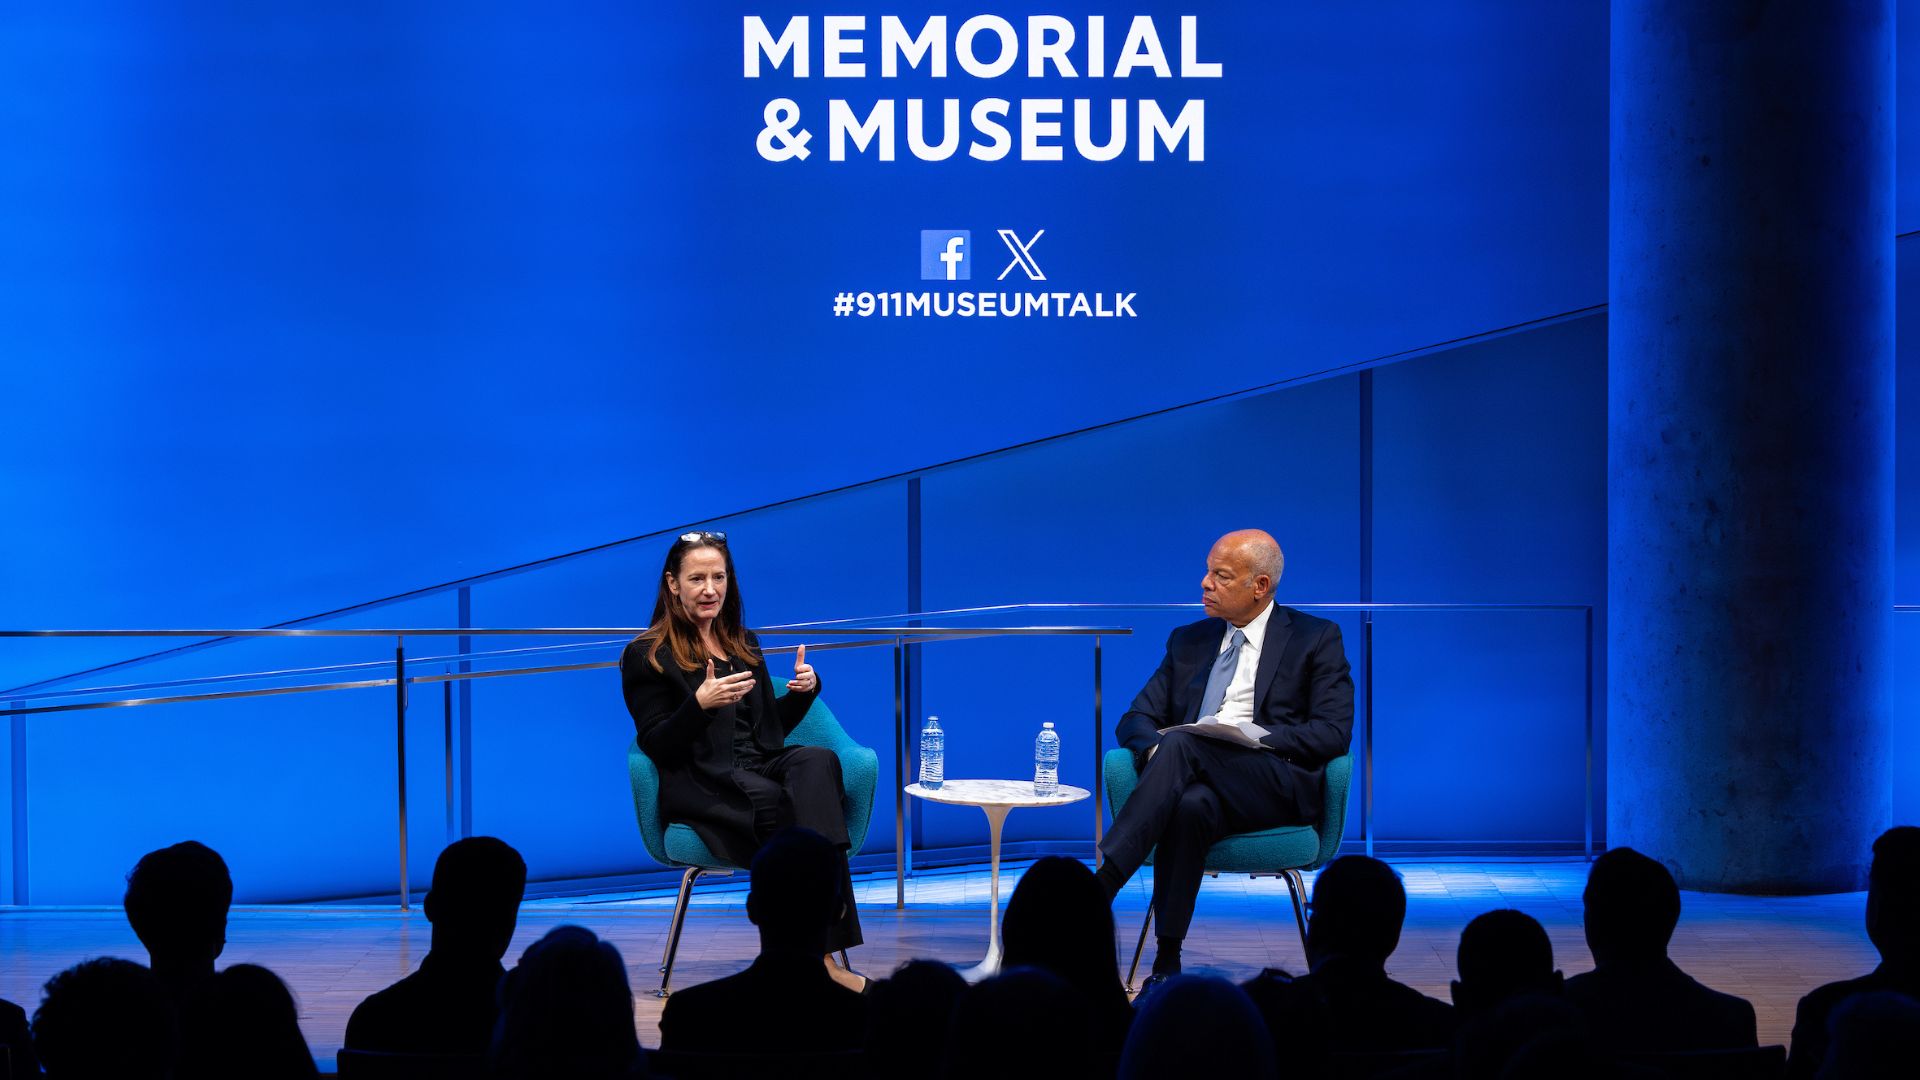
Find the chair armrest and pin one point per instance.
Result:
(1116, 773)
(859, 765)
(645, 777)
(860, 773)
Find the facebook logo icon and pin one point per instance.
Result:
(946, 255)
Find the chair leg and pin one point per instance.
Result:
(1139, 947)
(673, 933)
(1297, 888)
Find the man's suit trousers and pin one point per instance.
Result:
(1194, 792)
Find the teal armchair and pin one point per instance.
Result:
(1283, 852)
(677, 845)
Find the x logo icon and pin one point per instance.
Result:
(1022, 255)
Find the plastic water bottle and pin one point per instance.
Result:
(1046, 761)
(933, 754)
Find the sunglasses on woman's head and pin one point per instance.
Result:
(703, 534)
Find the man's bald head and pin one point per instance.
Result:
(1258, 551)
(1242, 570)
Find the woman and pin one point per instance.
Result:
(704, 709)
(1060, 920)
(566, 1013)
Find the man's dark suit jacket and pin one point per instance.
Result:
(1816, 1010)
(693, 748)
(1348, 1008)
(1302, 692)
(781, 1004)
(447, 1007)
(1657, 1008)
(19, 1042)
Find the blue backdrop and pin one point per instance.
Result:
(308, 304)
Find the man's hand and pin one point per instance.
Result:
(804, 680)
(714, 693)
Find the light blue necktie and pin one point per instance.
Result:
(1221, 676)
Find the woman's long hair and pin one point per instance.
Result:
(1060, 920)
(566, 1013)
(673, 627)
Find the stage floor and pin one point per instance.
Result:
(1769, 950)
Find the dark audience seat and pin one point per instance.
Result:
(1745, 1063)
(376, 1065)
(1390, 1063)
(836, 1065)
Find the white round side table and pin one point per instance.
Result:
(996, 798)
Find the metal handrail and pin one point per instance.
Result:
(842, 631)
(899, 637)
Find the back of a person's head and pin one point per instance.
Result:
(1893, 892)
(1059, 918)
(1632, 906)
(796, 887)
(1359, 906)
(566, 1012)
(902, 1009)
(478, 883)
(245, 1025)
(1503, 954)
(177, 900)
(1023, 1023)
(1871, 1036)
(1197, 1025)
(105, 1019)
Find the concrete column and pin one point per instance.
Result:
(1750, 441)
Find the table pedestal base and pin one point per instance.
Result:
(990, 966)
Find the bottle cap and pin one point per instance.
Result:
(1048, 724)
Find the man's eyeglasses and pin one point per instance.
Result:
(703, 534)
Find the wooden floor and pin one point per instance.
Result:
(1768, 950)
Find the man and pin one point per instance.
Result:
(177, 900)
(1636, 999)
(1893, 925)
(1346, 1004)
(449, 1005)
(1232, 733)
(786, 1002)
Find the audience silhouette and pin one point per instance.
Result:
(1529, 1035)
(1346, 1004)
(17, 1040)
(1197, 1025)
(1061, 920)
(1058, 1011)
(566, 1013)
(1023, 1024)
(1503, 954)
(177, 900)
(1893, 925)
(247, 1028)
(105, 1019)
(1636, 999)
(785, 999)
(1872, 1036)
(449, 1006)
(901, 1008)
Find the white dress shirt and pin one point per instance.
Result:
(1237, 708)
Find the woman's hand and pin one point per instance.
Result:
(804, 681)
(714, 693)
